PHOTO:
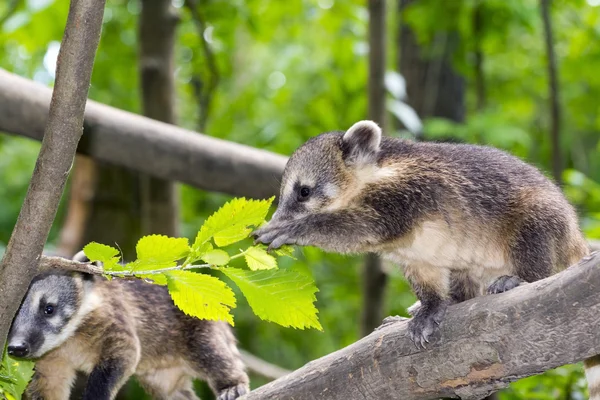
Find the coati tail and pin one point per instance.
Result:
(592, 374)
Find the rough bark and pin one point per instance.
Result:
(483, 345)
(554, 97)
(61, 136)
(138, 143)
(374, 278)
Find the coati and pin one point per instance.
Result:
(461, 220)
(111, 330)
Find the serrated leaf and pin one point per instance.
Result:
(258, 258)
(216, 257)
(161, 251)
(281, 296)
(107, 255)
(231, 235)
(157, 279)
(200, 295)
(286, 251)
(230, 223)
(15, 375)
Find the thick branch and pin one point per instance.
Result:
(155, 148)
(60, 138)
(484, 344)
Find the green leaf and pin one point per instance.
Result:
(231, 235)
(201, 295)
(216, 257)
(107, 255)
(157, 279)
(281, 296)
(14, 375)
(286, 251)
(161, 250)
(258, 258)
(230, 223)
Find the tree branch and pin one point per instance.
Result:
(553, 88)
(61, 135)
(483, 345)
(138, 143)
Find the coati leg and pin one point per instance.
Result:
(107, 377)
(52, 380)
(503, 284)
(432, 286)
(119, 359)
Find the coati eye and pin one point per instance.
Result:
(49, 309)
(304, 193)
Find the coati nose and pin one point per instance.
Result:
(18, 350)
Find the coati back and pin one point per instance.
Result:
(461, 220)
(112, 330)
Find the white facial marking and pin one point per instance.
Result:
(90, 302)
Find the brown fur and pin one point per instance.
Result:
(135, 328)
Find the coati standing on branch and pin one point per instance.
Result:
(462, 220)
(112, 330)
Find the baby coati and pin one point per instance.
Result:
(461, 220)
(111, 330)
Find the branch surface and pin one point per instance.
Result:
(63, 125)
(483, 345)
(152, 147)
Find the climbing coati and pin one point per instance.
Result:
(111, 330)
(461, 220)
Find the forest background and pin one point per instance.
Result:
(273, 74)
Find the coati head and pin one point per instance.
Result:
(326, 169)
(53, 308)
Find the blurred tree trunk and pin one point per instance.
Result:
(553, 91)
(479, 76)
(374, 278)
(434, 88)
(157, 43)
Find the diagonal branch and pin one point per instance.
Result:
(61, 136)
(485, 344)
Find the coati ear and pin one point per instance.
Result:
(361, 142)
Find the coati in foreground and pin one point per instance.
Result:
(111, 330)
(461, 220)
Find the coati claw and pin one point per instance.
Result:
(233, 392)
(425, 323)
(503, 284)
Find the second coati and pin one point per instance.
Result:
(461, 220)
(111, 330)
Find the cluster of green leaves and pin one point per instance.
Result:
(14, 376)
(283, 296)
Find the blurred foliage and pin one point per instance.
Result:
(290, 70)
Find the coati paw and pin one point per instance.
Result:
(274, 235)
(392, 319)
(504, 284)
(233, 392)
(425, 323)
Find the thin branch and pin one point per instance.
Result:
(204, 92)
(554, 95)
(61, 136)
(483, 345)
(262, 367)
